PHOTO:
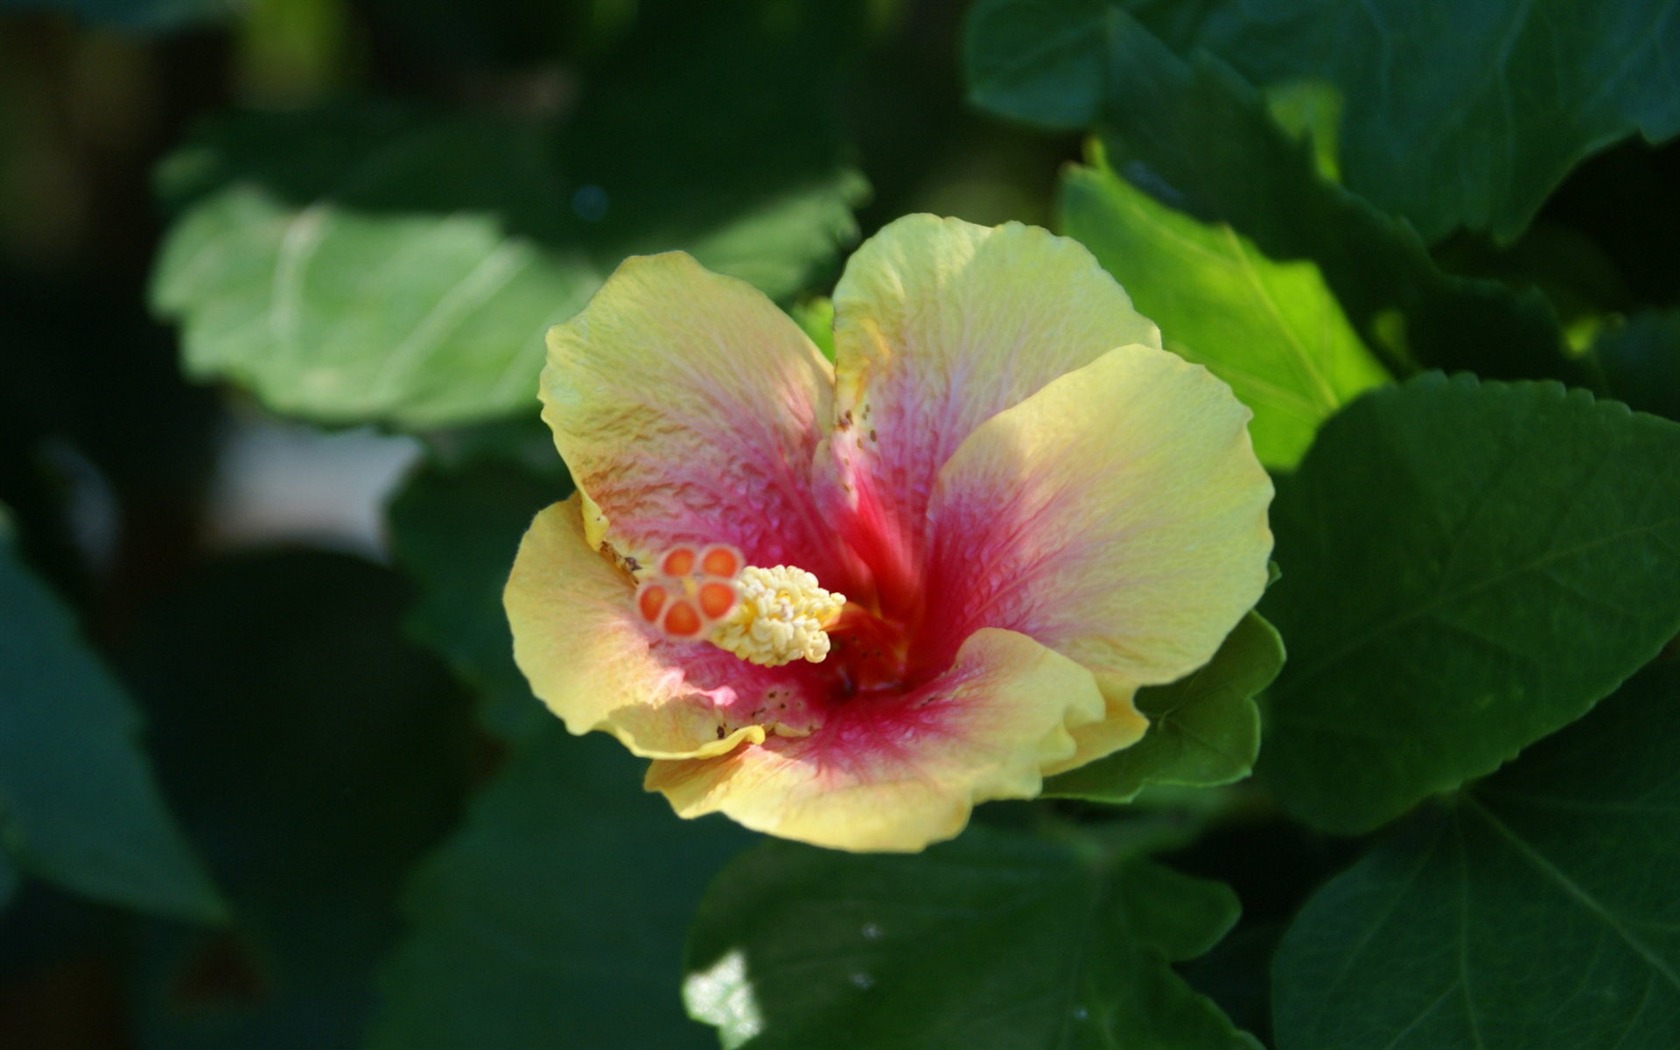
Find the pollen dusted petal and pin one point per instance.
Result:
(940, 325)
(579, 639)
(720, 560)
(904, 771)
(688, 407)
(678, 561)
(1121, 516)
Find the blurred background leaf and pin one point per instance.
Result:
(78, 804)
(1535, 909)
(314, 755)
(1445, 610)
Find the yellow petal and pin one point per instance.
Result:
(1117, 516)
(576, 638)
(688, 407)
(941, 324)
(907, 773)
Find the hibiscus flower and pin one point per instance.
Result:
(845, 604)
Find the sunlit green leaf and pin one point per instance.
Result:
(1458, 114)
(78, 805)
(1197, 136)
(556, 916)
(993, 941)
(1535, 910)
(1273, 331)
(1467, 567)
(1204, 730)
(455, 532)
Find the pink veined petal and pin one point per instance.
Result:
(688, 409)
(940, 325)
(898, 772)
(1118, 516)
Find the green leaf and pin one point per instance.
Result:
(556, 915)
(1204, 729)
(1198, 137)
(78, 805)
(1467, 567)
(1454, 114)
(994, 940)
(1640, 361)
(316, 756)
(455, 532)
(367, 263)
(1271, 330)
(1536, 910)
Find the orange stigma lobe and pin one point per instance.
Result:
(719, 560)
(681, 620)
(716, 599)
(651, 602)
(678, 561)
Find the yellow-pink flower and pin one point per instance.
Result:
(845, 604)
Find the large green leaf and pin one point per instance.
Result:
(78, 805)
(1271, 330)
(992, 941)
(1537, 910)
(1457, 114)
(556, 916)
(364, 263)
(315, 755)
(1197, 136)
(1204, 729)
(1467, 567)
(455, 530)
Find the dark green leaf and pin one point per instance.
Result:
(555, 917)
(1197, 136)
(1455, 114)
(992, 941)
(1537, 910)
(1204, 729)
(1273, 331)
(1640, 361)
(1467, 567)
(455, 532)
(78, 805)
(365, 263)
(315, 755)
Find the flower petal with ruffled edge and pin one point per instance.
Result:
(688, 409)
(938, 326)
(1118, 516)
(899, 773)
